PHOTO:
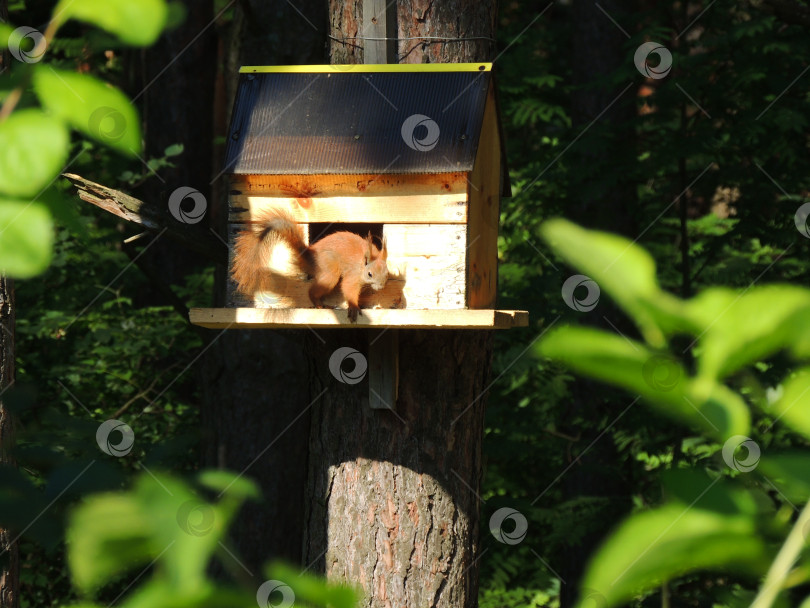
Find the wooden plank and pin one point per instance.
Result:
(413, 209)
(255, 318)
(383, 369)
(430, 281)
(484, 209)
(426, 239)
(349, 185)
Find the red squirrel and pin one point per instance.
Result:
(341, 257)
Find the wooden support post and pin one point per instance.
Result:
(379, 22)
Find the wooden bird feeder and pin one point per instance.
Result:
(412, 152)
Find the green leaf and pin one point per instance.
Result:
(5, 33)
(33, 150)
(107, 535)
(788, 471)
(91, 106)
(158, 592)
(655, 546)
(186, 526)
(744, 328)
(311, 589)
(230, 483)
(793, 407)
(659, 378)
(159, 518)
(623, 270)
(134, 22)
(26, 238)
(173, 150)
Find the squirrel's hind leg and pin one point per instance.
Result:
(321, 286)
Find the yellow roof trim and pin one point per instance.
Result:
(366, 67)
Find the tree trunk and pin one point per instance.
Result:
(392, 496)
(177, 101)
(606, 110)
(598, 200)
(255, 386)
(392, 505)
(452, 20)
(9, 553)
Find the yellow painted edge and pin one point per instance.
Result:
(363, 67)
(249, 318)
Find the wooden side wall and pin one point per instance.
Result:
(484, 191)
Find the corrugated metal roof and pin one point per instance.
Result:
(335, 122)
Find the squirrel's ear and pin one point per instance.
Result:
(385, 247)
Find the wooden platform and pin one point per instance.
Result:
(274, 318)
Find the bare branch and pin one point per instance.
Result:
(149, 215)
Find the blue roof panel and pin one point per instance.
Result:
(356, 123)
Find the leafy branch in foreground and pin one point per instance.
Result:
(35, 141)
(164, 528)
(722, 521)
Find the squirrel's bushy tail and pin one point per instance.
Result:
(253, 245)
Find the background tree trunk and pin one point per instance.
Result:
(255, 385)
(598, 200)
(392, 502)
(177, 100)
(9, 551)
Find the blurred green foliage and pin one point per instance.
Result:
(737, 161)
(34, 144)
(91, 344)
(706, 522)
(170, 531)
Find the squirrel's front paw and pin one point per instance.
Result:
(353, 312)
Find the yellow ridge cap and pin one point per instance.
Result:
(366, 67)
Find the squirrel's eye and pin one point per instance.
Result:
(369, 274)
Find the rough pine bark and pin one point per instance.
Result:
(392, 503)
(9, 553)
(392, 496)
(416, 21)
